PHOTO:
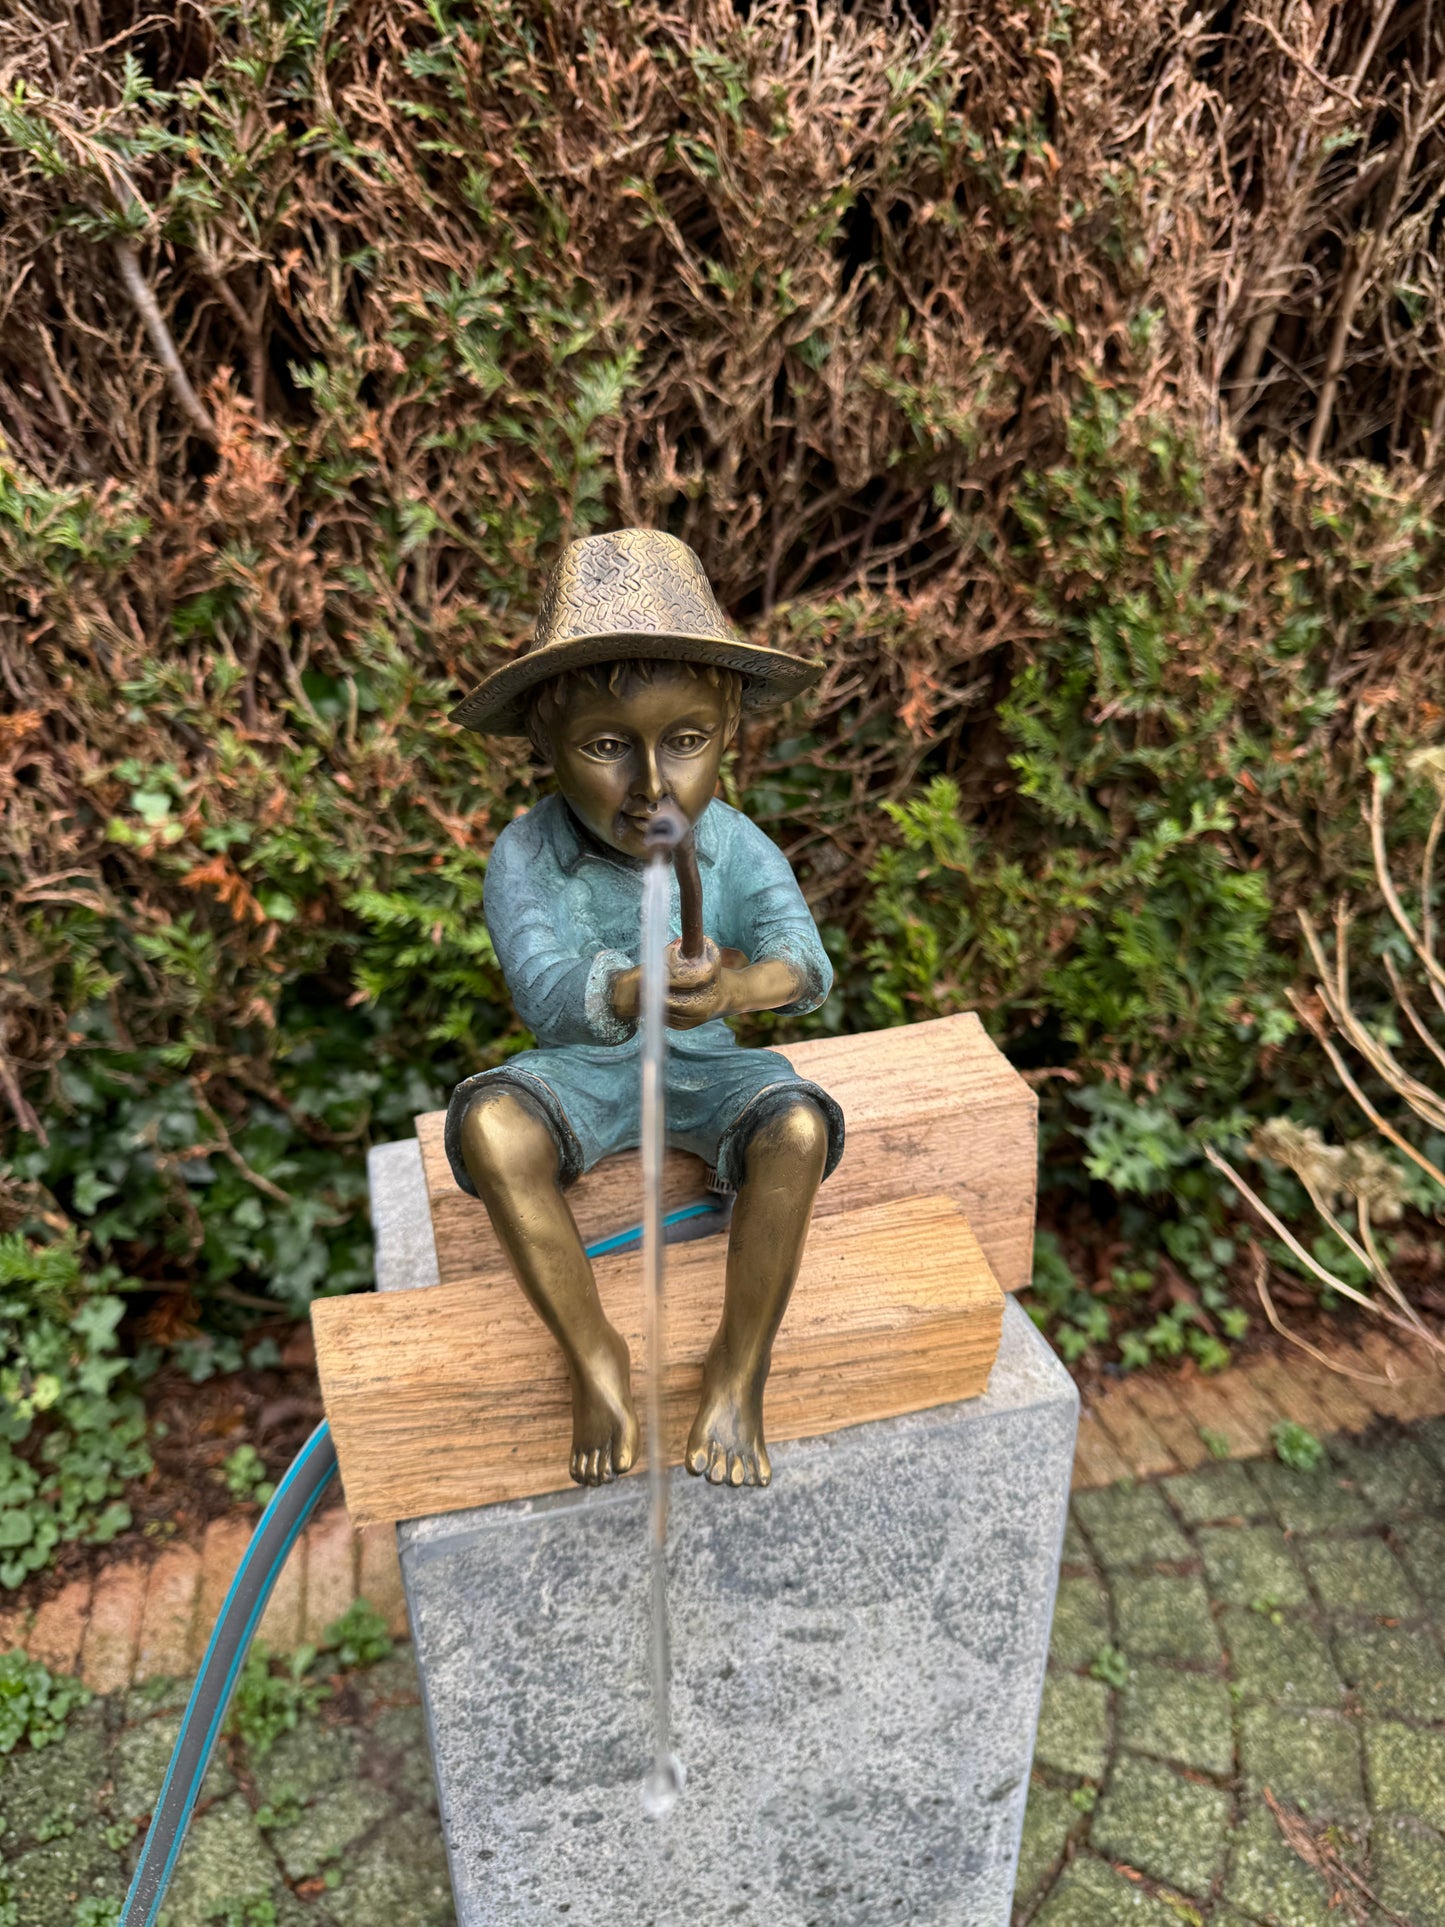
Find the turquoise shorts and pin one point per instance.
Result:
(590, 1095)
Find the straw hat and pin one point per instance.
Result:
(635, 592)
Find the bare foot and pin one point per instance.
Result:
(604, 1420)
(725, 1445)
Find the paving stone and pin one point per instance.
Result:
(1049, 1819)
(399, 1879)
(1153, 1819)
(1280, 1656)
(1267, 1882)
(1089, 1894)
(1073, 1725)
(109, 1648)
(54, 1788)
(1130, 1527)
(283, 1623)
(330, 1572)
(1180, 1716)
(1162, 1617)
(59, 1627)
(1407, 1870)
(1394, 1478)
(378, 1577)
(139, 1762)
(1076, 1547)
(1096, 1461)
(224, 1862)
(1324, 1500)
(401, 1733)
(49, 1881)
(315, 1755)
(1424, 1545)
(172, 1593)
(324, 1830)
(225, 1544)
(1214, 1492)
(1246, 1564)
(390, 1682)
(1393, 1670)
(1406, 1771)
(1307, 1760)
(1081, 1622)
(1360, 1576)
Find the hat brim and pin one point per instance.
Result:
(498, 706)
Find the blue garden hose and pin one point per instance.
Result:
(292, 1504)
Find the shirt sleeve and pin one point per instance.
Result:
(561, 993)
(771, 916)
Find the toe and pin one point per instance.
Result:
(622, 1458)
(605, 1474)
(737, 1471)
(717, 1463)
(697, 1461)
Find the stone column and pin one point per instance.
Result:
(858, 1654)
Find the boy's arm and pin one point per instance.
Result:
(780, 963)
(560, 993)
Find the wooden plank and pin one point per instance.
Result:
(932, 1108)
(455, 1395)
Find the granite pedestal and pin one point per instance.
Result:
(858, 1655)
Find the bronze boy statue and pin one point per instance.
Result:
(632, 688)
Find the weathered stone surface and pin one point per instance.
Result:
(1214, 1492)
(1267, 1882)
(1308, 1760)
(1089, 1894)
(1051, 1818)
(1280, 1656)
(1178, 1716)
(1074, 1725)
(1161, 1616)
(1360, 1576)
(1407, 1771)
(224, 1864)
(1130, 1526)
(857, 1659)
(1154, 1819)
(1081, 1622)
(1394, 1669)
(1251, 1565)
(1324, 1500)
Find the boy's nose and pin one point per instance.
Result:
(650, 786)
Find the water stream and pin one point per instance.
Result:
(664, 1777)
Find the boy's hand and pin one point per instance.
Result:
(720, 983)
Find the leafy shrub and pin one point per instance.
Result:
(34, 1702)
(72, 1425)
(913, 331)
(244, 1476)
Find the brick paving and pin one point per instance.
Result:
(1135, 1428)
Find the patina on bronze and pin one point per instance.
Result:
(632, 686)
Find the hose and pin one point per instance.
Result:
(280, 1525)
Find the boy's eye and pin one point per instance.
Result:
(687, 742)
(605, 748)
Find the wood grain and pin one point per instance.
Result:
(456, 1395)
(931, 1108)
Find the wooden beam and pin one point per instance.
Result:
(456, 1395)
(931, 1108)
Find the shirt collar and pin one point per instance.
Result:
(575, 844)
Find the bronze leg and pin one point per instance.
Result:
(512, 1158)
(782, 1169)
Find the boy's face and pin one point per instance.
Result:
(617, 757)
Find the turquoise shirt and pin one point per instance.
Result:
(563, 911)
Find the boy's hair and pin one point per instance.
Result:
(549, 699)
